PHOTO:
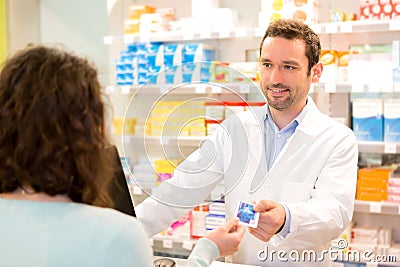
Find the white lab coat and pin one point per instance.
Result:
(314, 175)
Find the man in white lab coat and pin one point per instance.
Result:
(298, 165)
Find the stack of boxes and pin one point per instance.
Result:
(378, 184)
(216, 216)
(376, 120)
(365, 243)
(396, 64)
(304, 10)
(143, 173)
(177, 118)
(164, 169)
(156, 63)
(376, 240)
(372, 184)
(145, 19)
(379, 9)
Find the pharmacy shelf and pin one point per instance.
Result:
(378, 147)
(174, 36)
(188, 88)
(361, 26)
(187, 141)
(352, 88)
(244, 88)
(388, 208)
(195, 141)
(167, 244)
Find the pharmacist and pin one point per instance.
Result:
(298, 165)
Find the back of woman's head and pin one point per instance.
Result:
(52, 126)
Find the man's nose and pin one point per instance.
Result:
(276, 76)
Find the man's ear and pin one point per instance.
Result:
(316, 72)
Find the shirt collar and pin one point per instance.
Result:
(299, 118)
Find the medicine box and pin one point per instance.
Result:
(368, 119)
(391, 120)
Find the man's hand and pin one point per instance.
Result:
(272, 218)
(227, 237)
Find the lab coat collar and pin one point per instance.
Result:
(307, 125)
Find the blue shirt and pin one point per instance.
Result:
(275, 140)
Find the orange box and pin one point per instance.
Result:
(372, 184)
(375, 173)
(131, 26)
(136, 11)
(372, 195)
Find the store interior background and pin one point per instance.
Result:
(81, 26)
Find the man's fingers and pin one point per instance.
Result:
(264, 205)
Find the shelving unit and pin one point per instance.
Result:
(333, 36)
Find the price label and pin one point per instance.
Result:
(125, 89)
(330, 88)
(128, 39)
(187, 245)
(110, 89)
(200, 89)
(394, 25)
(316, 28)
(240, 32)
(126, 139)
(137, 191)
(145, 38)
(375, 207)
(244, 88)
(390, 148)
(216, 89)
(331, 28)
(346, 27)
(357, 88)
(167, 243)
(205, 35)
(163, 89)
(224, 34)
(187, 36)
(164, 140)
(374, 87)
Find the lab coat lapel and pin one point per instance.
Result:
(256, 129)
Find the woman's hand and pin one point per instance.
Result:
(227, 237)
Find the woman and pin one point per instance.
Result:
(54, 175)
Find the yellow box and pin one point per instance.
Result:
(165, 168)
(126, 125)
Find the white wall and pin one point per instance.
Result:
(23, 23)
(78, 25)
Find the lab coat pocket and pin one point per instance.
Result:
(296, 192)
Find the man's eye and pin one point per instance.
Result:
(267, 65)
(286, 67)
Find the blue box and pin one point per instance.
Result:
(391, 120)
(368, 119)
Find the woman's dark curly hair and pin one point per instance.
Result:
(52, 126)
